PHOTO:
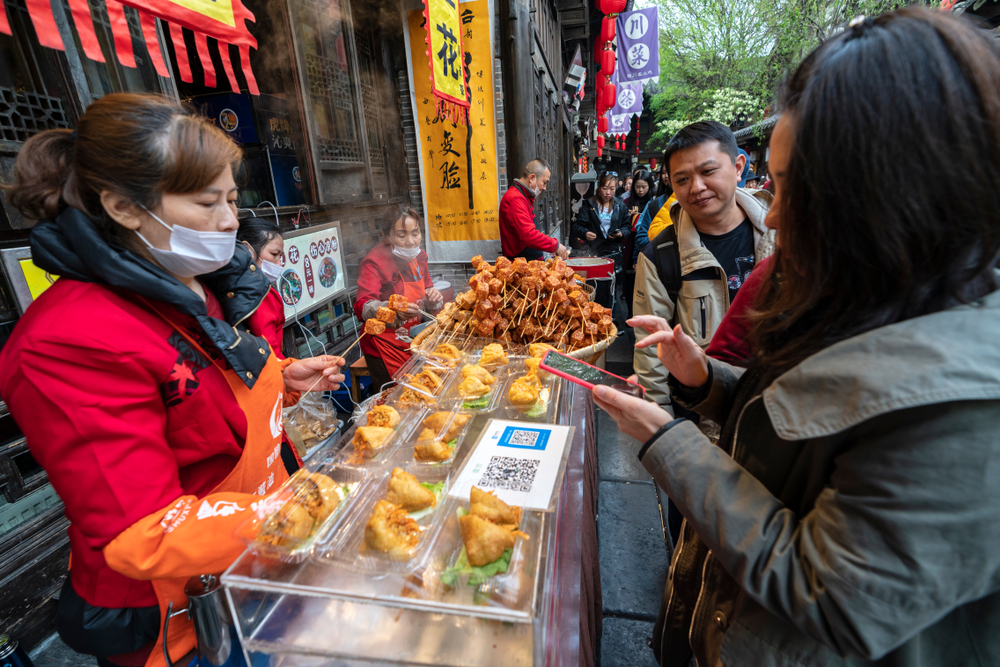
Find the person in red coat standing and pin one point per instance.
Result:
(518, 235)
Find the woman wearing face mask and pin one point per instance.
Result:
(263, 239)
(396, 265)
(153, 408)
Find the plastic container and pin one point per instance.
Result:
(347, 548)
(286, 525)
(458, 423)
(542, 411)
(346, 454)
(475, 353)
(454, 399)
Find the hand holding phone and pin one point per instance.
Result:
(586, 375)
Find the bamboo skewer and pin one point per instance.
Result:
(342, 354)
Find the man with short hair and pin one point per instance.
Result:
(690, 272)
(519, 237)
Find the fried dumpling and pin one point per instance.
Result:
(478, 372)
(436, 421)
(405, 491)
(370, 438)
(390, 529)
(448, 351)
(525, 391)
(314, 498)
(486, 505)
(538, 350)
(494, 355)
(432, 450)
(383, 416)
(484, 541)
(471, 387)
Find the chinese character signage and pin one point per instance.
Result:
(638, 46)
(312, 269)
(445, 42)
(458, 158)
(223, 20)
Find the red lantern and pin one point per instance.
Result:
(610, 95)
(608, 62)
(608, 29)
(602, 124)
(600, 141)
(652, 160)
(612, 6)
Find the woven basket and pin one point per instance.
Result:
(590, 354)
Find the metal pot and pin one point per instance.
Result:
(208, 611)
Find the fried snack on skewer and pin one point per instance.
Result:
(371, 438)
(478, 372)
(399, 303)
(405, 491)
(391, 530)
(485, 504)
(374, 327)
(387, 315)
(383, 416)
(494, 355)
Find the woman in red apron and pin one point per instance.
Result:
(151, 403)
(396, 265)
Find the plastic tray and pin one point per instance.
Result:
(454, 400)
(405, 454)
(344, 454)
(294, 549)
(550, 388)
(426, 350)
(346, 547)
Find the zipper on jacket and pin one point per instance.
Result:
(240, 321)
(701, 300)
(697, 604)
(736, 432)
(670, 570)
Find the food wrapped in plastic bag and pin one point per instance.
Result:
(310, 421)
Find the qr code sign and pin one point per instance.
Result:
(510, 473)
(524, 438)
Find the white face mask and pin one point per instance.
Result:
(271, 270)
(536, 191)
(192, 253)
(405, 253)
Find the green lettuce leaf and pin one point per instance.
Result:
(537, 410)
(477, 575)
(477, 403)
(437, 489)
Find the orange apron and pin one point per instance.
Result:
(393, 351)
(194, 535)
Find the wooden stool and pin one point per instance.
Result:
(359, 369)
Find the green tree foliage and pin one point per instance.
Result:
(720, 58)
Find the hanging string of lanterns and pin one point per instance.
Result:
(604, 54)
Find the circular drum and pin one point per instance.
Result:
(592, 267)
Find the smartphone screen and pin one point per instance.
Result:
(583, 373)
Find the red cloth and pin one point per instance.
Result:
(731, 342)
(517, 223)
(269, 321)
(122, 413)
(380, 275)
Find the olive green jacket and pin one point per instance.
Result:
(857, 520)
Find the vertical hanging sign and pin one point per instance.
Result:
(446, 46)
(638, 46)
(458, 157)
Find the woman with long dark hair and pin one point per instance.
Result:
(850, 513)
(643, 185)
(267, 247)
(152, 405)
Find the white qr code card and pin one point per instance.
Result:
(519, 461)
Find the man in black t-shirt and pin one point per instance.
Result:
(719, 235)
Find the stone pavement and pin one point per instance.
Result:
(634, 553)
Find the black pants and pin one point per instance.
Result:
(380, 374)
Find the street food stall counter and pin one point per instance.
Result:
(337, 604)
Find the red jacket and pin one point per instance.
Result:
(731, 342)
(123, 415)
(517, 223)
(381, 275)
(269, 320)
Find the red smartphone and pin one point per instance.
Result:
(586, 375)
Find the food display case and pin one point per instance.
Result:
(345, 606)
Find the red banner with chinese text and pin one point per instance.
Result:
(223, 20)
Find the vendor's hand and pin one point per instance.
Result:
(591, 236)
(302, 374)
(678, 353)
(562, 252)
(412, 310)
(433, 298)
(635, 417)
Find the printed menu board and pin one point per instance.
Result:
(312, 269)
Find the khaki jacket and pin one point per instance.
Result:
(700, 304)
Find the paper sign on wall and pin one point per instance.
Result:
(312, 270)
(519, 461)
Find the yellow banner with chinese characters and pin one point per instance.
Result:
(446, 40)
(459, 161)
